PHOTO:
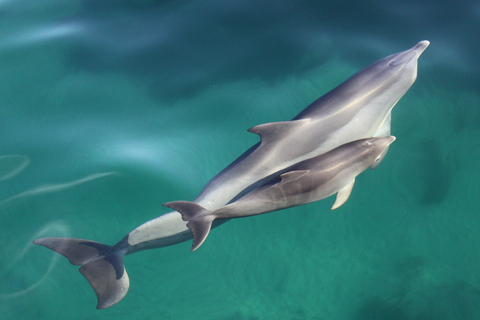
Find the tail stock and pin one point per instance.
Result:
(101, 265)
(199, 220)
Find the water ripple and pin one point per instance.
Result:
(11, 165)
(56, 187)
(56, 227)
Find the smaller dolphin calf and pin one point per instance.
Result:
(308, 181)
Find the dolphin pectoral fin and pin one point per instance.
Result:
(270, 132)
(384, 131)
(343, 194)
(385, 128)
(293, 175)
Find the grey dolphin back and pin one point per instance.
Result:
(101, 265)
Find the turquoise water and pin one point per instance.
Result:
(108, 109)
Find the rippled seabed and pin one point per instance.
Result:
(108, 109)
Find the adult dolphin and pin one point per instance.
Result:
(308, 181)
(358, 108)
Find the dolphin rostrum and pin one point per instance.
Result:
(308, 181)
(358, 108)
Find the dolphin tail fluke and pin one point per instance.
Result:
(101, 265)
(200, 228)
(199, 220)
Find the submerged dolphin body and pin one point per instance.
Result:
(358, 108)
(308, 181)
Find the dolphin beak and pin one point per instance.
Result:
(390, 140)
(409, 55)
(420, 47)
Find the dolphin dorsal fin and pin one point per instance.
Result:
(270, 132)
(293, 175)
(343, 194)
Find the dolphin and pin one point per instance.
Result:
(308, 181)
(358, 108)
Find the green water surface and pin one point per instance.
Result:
(108, 109)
